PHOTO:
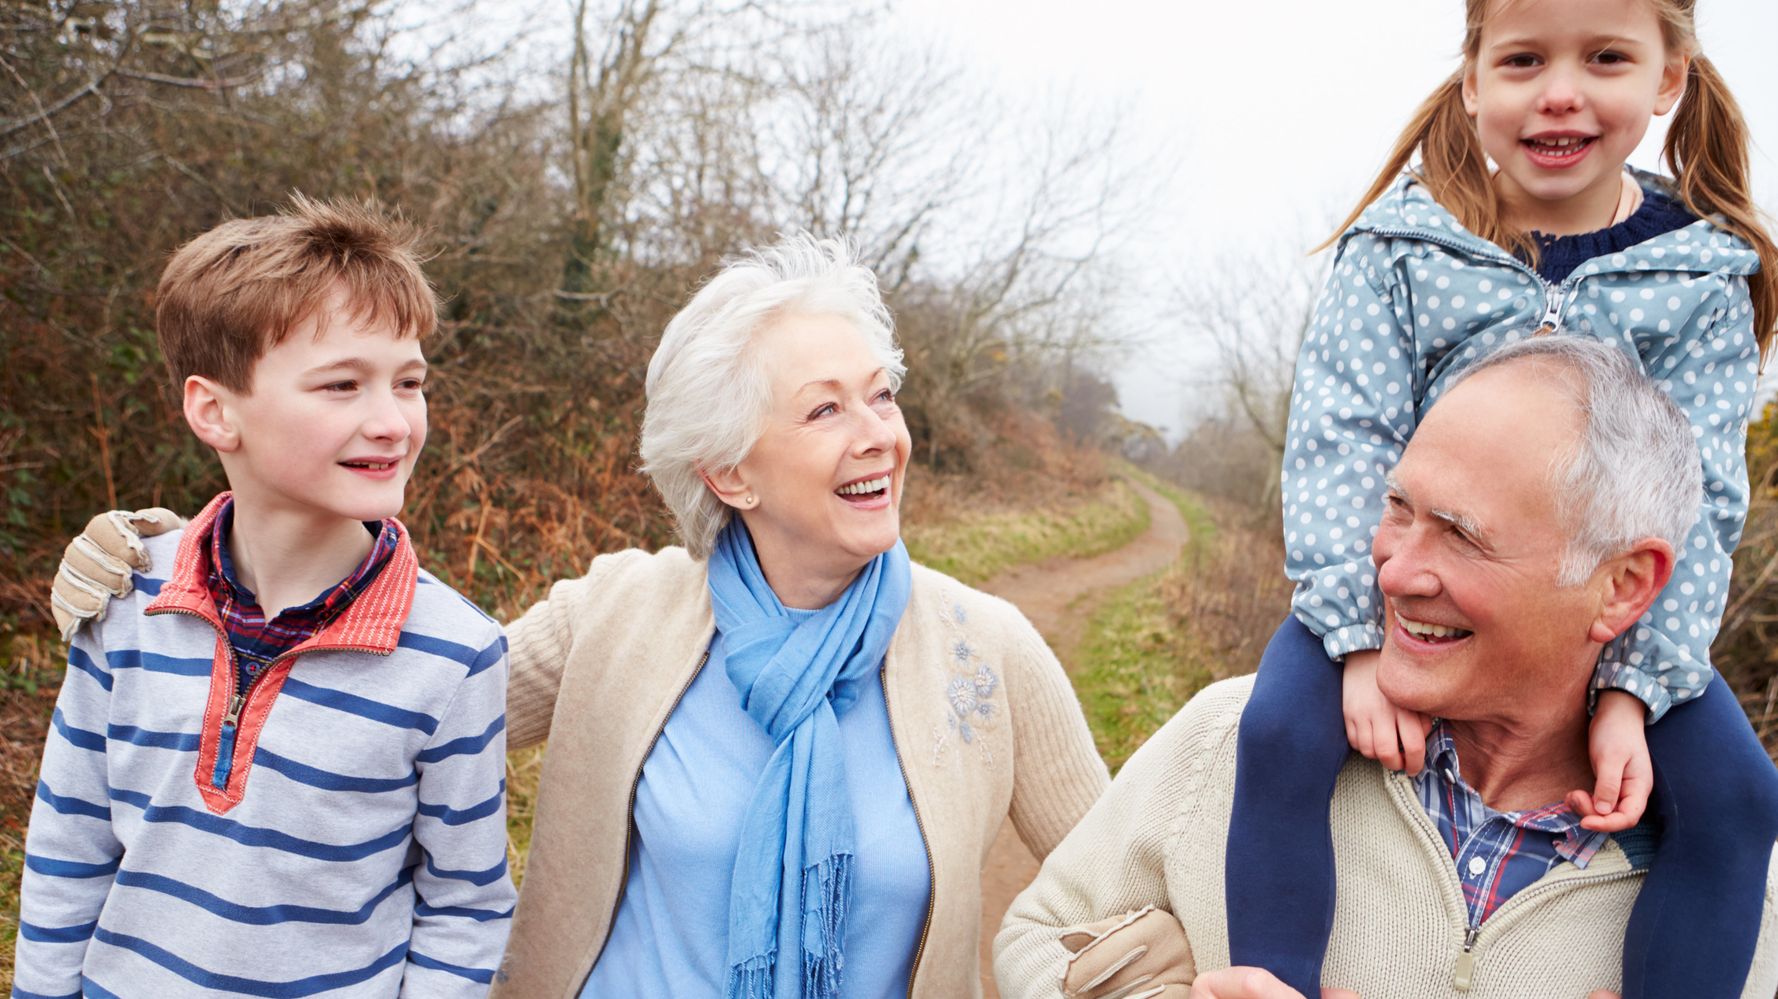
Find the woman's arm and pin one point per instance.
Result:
(1057, 771)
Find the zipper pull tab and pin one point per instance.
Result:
(225, 743)
(1465, 970)
(1552, 312)
(235, 704)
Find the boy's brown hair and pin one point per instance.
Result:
(236, 291)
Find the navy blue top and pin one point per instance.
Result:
(1558, 256)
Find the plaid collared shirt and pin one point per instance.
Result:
(1497, 853)
(257, 641)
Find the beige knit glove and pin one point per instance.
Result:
(96, 566)
(1138, 955)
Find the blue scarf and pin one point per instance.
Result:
(793, 870)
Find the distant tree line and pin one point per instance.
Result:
(582, 168)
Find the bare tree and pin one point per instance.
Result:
(1253, 311)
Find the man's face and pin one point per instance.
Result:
(1468, 555)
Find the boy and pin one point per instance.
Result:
(249, 788)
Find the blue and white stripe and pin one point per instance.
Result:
(368, 857)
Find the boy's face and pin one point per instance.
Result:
(333, 423)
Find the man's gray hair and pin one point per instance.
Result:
(1634, 472)
(709, 391)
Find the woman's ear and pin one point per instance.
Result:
(207, 411)
(1468, 88)
(731, 487)
(1629, 584)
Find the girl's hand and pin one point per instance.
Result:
(1377, 729)
(1622, 775)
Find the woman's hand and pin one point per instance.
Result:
(98, 564)
(1377, 729)
(1137, 955)
(1622, 773)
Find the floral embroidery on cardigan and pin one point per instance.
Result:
(970, 694)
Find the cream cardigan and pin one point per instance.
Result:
(983, 718)
(1399, 923)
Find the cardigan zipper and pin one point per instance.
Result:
(623, 880)
(931, 877)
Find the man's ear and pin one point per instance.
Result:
(1629, 584)
(209, 413)
(730, 486)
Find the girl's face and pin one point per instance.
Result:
(1561, 92)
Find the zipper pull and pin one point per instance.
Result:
(235, 704)
(1552, 312)
(1465, 970)
(225, 743)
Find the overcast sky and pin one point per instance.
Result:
(1275, 113)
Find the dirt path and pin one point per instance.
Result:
(1059, 596)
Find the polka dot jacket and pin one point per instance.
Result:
(1414, 298)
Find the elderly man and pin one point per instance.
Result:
(1507, 558)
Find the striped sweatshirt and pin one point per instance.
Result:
(340, 832)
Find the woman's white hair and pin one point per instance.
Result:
(1634, 471)
(709, 391)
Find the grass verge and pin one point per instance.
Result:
(974, 546)
(1157, 641)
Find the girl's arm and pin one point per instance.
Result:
(1351, 414)
(1710, 370)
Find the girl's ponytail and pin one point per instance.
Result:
(1706, 150)
(1452, 166)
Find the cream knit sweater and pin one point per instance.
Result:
(1399, 923)
(984, 721)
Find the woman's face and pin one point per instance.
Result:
(826, 475)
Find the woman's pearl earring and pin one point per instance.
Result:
(750, 500)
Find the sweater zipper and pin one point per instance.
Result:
(630, 826)
(237, 699)
(1463, 968)
(931, 878)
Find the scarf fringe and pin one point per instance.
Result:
(830, 884)
(752, 978)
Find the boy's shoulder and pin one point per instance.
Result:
(440, 600)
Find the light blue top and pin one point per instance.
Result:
(1415, 298)
(669, 935)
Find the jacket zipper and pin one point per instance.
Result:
(1463, 969)
(630, 825)
(931, 878)
(1552, 313)
(1554, 300)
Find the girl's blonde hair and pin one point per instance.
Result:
(1706, 151)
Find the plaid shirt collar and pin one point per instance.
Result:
(1497, 853)
(257, 641)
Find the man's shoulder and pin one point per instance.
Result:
(1201, 734)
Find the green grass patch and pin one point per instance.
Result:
(1138, 661)
(977, 546)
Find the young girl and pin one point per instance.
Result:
(1521, 219)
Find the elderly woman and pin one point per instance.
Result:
(778, 755)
